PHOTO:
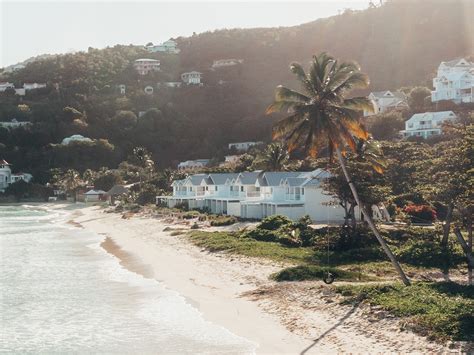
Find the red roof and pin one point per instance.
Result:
(4, 162)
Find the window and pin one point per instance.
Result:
(302, 190)
(422, 122)
(241, 188)
(215, 188)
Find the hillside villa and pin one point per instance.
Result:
(226, 63)
(454, 82)
(14, 123)
(169, 46)
(7, 178)
(193, 164)
(384, 101)
(259, 194)
(144, 66)
(427, 124)
(243, 146)
(192, 78)
(75, 138)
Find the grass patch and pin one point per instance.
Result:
(234, 243)
(442, 311)
(314, 272)
(223, 221)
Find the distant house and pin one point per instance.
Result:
(7, 178)
(169, 84)
(145, 66)
(14, 124)
(232, 159)
(454, 81)
(192, 78)
(243, 146)
(193, 164)
(75, 138)
(115, 192)
(384, 101)
(6, 85)
(94, 195)
(169, 46)
(427, 124)
(33, 86)
(219, 63)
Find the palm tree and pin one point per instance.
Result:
(275, 157)
(322, 116)
(70, 181)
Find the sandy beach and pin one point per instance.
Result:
(235, 292)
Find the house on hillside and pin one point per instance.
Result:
(144, 66)
(454, 81)
(33, 86)
(242, 146)
(169, 84)
(192, 78)
(219, 63)
(94, 196)
(193, 164)
(75, 138)
(6, 85)
(7, 178)
(169, 46)
(427, 124)
(14, 123)
(384, 101)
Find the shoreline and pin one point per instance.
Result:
(235, 292)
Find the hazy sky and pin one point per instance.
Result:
(29, 28)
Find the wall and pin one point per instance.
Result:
(319, 212)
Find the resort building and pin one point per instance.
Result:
(258, 195)
(192, 78)
(6, 85)
(454, 81)
(14, 123)
(427, 124)
(7, 178)
(145, 66)
(169, 46)
(33, 86)
(384, 101)
(193, 164)
(226, 63)
(243, 146)
(75, 138)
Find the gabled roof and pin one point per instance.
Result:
(433, 115)
(220, 179)
(248, 178)
(455, 62)
(146, 60)
(4, 162)
(274, 178)
(117, 190)
(294, 181)
(388, 93)
(95, 192)
(197, 179)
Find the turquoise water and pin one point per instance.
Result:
(61, 292)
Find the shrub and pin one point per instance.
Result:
(190, 215)
(272, 223)
(313, 272)
(223, 221)
(195, 226)
(420, 213)
(428, 253)
(183, 206)
(263, 235)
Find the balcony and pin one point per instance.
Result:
(253, 194)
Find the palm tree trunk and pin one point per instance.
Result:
(370, 222)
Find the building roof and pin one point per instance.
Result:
(220, 179)
(382, 94)
(117, 190)
(197, 179)
(249, 178)
(454, 62)
(274, 178)
(146, 60)
(433, 115)
(94, 192)
(192, 72)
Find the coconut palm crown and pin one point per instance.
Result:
(322, 116)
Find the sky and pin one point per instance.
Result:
(30, 28)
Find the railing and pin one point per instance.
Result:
(253, 194)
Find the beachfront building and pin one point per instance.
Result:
(94, 195)
(192, 78)
(384, 101)
(219, 63)
(75, 138)
(243, 146)
(454, 81)
(427, 124)
(169, 46)
(258, 194)
(14, 123)
(145, 66)
(193, 164)
(7, 178)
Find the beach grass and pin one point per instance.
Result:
(441, 311)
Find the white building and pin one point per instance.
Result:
(454, 82)
(427, 124)
(75, 138)
(226, 63)
(33, 86)
(93, 195)
(7, 178)
(384, 101)
(169, 46)
(14, 124)
(169, 84)
(243, 146)
(145, 66)
(258, 195)
(193, 164)
(122, 88)
(192, 78)
(6, 85)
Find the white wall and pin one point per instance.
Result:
(233, 209)
(314, 199)
(293, 213)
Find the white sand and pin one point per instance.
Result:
(286, 318)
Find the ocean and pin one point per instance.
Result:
(60, 292)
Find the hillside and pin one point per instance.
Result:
(398, 44)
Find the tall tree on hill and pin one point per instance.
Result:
(323, 117)
(275, 157)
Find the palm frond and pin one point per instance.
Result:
(298, 70)
(359, 103)
(286, 125)
(284, 94)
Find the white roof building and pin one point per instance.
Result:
(169, 46)
(14, 123)
(219, 63)
(144, 66)
(75, 138)
(192, 78)
(33, 86)
(193, 164)
(384, 101)
(7, 178)
(427, 124)
(243, 146)
(454, 81)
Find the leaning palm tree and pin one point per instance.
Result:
(323, 117)
(275, 157)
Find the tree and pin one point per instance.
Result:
(385, 126)
(70, 181)
(18, 189)
(274, 158)
(416, 99)
(323, 117)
